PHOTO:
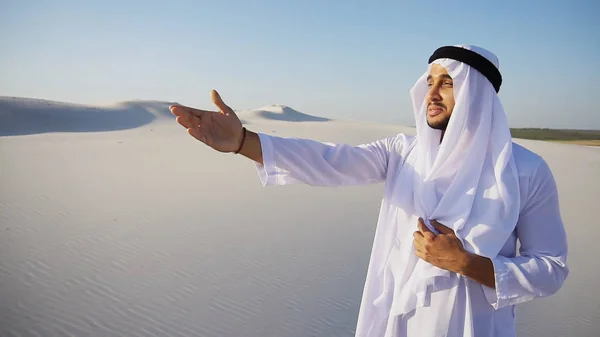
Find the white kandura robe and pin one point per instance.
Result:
(539, 270)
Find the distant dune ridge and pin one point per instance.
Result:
(115, 222)
(280, 113)
(23, 116)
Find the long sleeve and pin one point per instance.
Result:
(304, 161)
(540, 269)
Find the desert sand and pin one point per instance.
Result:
(115, 222)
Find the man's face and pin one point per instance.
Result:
(440, 97)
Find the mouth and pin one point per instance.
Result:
(434, 110)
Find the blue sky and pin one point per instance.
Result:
(340, 59)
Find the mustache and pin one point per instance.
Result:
(439, 104)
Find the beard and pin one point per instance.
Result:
(439, 124)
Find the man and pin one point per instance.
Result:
(457, 197)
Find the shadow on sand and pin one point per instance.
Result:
(22, 116)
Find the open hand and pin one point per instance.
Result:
(221, 130)
(443, 250)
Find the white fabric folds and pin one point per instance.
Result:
(469, 183)
(491, 191)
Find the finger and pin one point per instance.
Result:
(418, 243)
(188, 121)
(180, 110)
(418, 239)
(184, 121)
(422, 227)
(420, 254)
(441, 228)
(218, 101)
(427, 233)
(199, 135)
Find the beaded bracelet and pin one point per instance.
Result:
(242, 143)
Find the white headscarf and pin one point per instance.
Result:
(474, 156)
(468, 183)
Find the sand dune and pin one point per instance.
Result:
(136, 233)
(32, 116)
(25, 116)
(279, 113)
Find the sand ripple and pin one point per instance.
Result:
(189, 244)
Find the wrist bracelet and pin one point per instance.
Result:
(243, 140)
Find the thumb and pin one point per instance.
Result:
(441, 228)
(216, 98)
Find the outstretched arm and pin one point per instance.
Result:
(305, 161)
(288, 160)
(251, 148)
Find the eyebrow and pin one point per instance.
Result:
(429, 77)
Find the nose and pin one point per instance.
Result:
(433, 95)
